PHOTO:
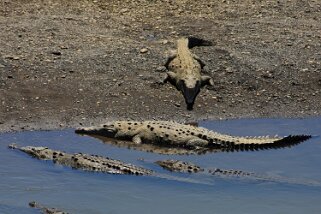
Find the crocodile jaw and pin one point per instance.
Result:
(106, 130)
(190, 95)
(190, 89)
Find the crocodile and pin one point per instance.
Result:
(82, 161)
(188, 167)
(45, 210)
(184, 69)
(173, 134)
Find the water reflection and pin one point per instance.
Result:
(154, 148)
(286, 142)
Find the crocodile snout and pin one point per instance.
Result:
(104, 130)
(190, 95)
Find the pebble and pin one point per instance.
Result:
(143, 50)
(161, 69)
(229, 70)
(2, 66)
(267, 75)
(164, 42)
(57, 53)
(12, 57)
(124, 10)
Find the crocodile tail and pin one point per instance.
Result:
(287, 141)
(193, 41)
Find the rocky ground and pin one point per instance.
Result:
(72, 63)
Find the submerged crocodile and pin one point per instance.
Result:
(188, 167)
(184, 69)
(85, 162)
(45, 210)
(173, 134)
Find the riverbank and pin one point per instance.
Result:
(68, 64)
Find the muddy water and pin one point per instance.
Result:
(23, 179)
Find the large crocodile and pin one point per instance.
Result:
(184, 69)
(173, 134)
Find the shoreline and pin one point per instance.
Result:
(78, 63)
